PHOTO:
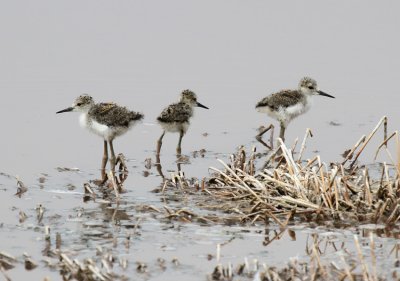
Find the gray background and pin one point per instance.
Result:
(141, 54)
(231, 53)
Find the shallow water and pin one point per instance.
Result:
(141, 55)
(84, 227)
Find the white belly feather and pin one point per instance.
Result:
(286, 114)
(174, 127)
(104, 131)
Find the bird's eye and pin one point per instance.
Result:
(311, 87)
(78, 104)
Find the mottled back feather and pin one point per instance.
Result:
(284, 98)
(111, 114)
(177, 112)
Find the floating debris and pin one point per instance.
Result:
(353, 265)
(7, 261)
(148, 163)
(21, 187)
(86, 270)
(183, 159)
(66, 169)
(30, 264)
(58, 241)
(47, 233)
(175, 261)
(333, 123)
(89, 193)
(22, 216)
(39, 213)
(141, 267)
(6, 175)
(199, 153)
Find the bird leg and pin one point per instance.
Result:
(158, 160)
(282, 132)
(159, 143)
(113, 158)
(104, 163)
(159, 167)
(178, 148)
(262, 132)
(105, 156)
(179, 163)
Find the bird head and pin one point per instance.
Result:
(190, 98)
(83, 103)
(308, 86)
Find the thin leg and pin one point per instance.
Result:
(279, 156)
(104, 162)
(113, 158)
(282, 132)
(262, 132)
(178, 163)
(179, 148)
(158, 166)
(159, 143)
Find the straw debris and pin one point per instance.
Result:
(287, 188)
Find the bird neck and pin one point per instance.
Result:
(84, 120)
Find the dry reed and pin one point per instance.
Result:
(311, 190)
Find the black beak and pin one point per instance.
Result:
(200, 105)
(325, 94)
(65, 110)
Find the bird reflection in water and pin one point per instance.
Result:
(180, 159)
(111, 183)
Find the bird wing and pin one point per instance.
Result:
(111, 114)
(177, 112)
(284, 98)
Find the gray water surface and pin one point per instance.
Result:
(142, 54)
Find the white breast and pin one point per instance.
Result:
(296, 109)
(107, 133)
(175, 127)
(286, 114)
(83, 120)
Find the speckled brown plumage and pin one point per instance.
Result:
(177, 112)
(284, 98)
(113, 115)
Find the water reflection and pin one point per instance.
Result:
(120, 164)
(113, 213)
(272, 235)
(382, 232)
(180, 159)
(324, 243)
(159, 166)
(110, 186)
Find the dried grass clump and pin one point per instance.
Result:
(349, 265)
(310, 190)
(102, 268)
